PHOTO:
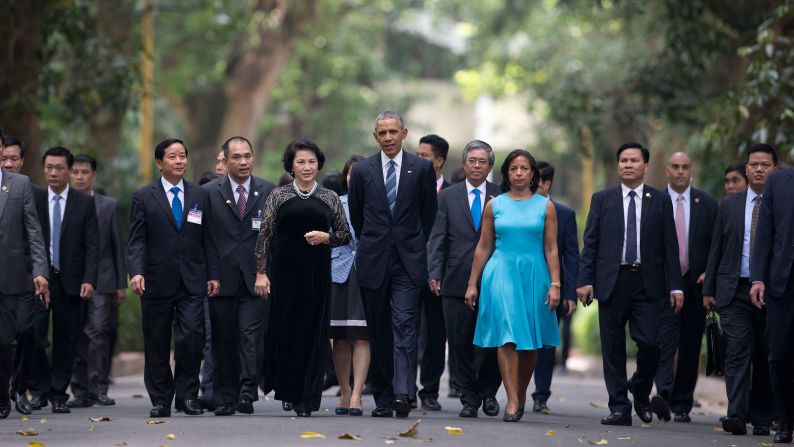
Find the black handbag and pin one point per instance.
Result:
(714, 347)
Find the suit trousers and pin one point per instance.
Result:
(779, 336)
(208, 367)
(93, 348)
(391, 318)
(628, 304)
(544, 369)
(182, 314)
(25, 341)
(681, 333)
(746, 358)
(476, 368)
(432, 344)
(237, 323)
(8, 342)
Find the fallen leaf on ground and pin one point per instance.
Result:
(137, 396)
(644, 425)
(28, 432)
(597, 405)
(43, 421)
(766, 444)
(311, 434)
(121, 443)
(717, 429)
(453, 430)
(170, 436)
(35, 444)
(412, 431)
(349, 437)
(155, 421)
(625, 438)
(545, 411)
(389, 441)
(599, 442)
(92, 428)
(551, 433)
(567, 425)
(102, 419)
(24, 418)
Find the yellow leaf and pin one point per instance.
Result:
(350, 437)
(717, 429)
(453, 430)
(35, 444)
(311, 434)
(27, 432)
(43, 421)
(92, 428)
(121, 444)
(155, 422)
(545, 411)
(644, 425)
(600, 442)
(170, 436)
(24, 418)
(102, 419)
(597, 405)
(551, 433)
(625, 438)
(412, 431)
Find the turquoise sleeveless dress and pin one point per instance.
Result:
(516, 279)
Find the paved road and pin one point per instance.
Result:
(577, 405)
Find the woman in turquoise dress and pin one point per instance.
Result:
(520, 287)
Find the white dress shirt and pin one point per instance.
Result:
(246, 184)
(744, 270)
(470, 190)
(50, 196)
(439, 183)
(167, 186)
(686, 203)
(638, 206)
(398, 161)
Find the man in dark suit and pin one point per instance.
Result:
(21, 234)
(450, 253)
(630, 265)
(90, 378)
(568, 249)
(172, 263)
(69, 223)
(772, 275)
(726, 287)
(393, 204)
(432, 337)
(237, 314)
(694, 213)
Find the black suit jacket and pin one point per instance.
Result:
(603, 244)
(725, 253)
(453, 239)
(112, 274)
(773, 251)
(79, 245)
(234, 237)
(167, 256)
(568, 250)
(702, 214)
(377, 231)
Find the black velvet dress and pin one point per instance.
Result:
(296, 345)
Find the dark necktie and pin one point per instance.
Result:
(476, 209)
(56, 232)
(176, 207)
(631, 231)
(241, 200)
(391, 186)
(754, 223)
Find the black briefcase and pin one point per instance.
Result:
(714, 346)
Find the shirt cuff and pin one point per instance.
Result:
(676, 291)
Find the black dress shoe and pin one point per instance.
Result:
(734, 425)
(160, 411)
(286, 405)
(539, 406)
(490, 406)
(783, 436)
(617, 418)
(245, 406)
(643, 408)
(402, 407)
(680, 416)
(190, 407)
(103, 400)
(431, 403)
(5, 410)
(660, 407)
(37, 402)
(60, 407)
(302, 410)
(207, 404)
(760, 430)
(224, 410)
(22, 404)
(80, 402)
(468, 411)
(382, 412)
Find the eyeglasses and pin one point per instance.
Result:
(755, 166)
(477, 161)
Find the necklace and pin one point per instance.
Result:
(301, 194)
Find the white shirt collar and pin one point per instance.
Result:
(63, 194)
(246, 184)
(674, 194)
(750, 195)
(638, 190)
(470, 188)
(439, 182)
(398, 159)
(167, 185)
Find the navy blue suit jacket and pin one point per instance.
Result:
(773, 251)
(568, 249)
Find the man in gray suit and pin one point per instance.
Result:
(92, 355)
(450, 253)
(20, 228)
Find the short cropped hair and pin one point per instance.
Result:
(59, 151)
(737, 167)
(546, 171)
(438, 145)
(159, 150)
(479, 144)
(299, 145)
(765, 148)
(388, 115)
(225, 145)
(9, 140)
(346, 170)
(646, 154)
(85, 158)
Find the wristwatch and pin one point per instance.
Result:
(556, 284)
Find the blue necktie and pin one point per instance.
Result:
(56, 232)
(391, 186)
(476, 209)
(631, 231)
(176, 207)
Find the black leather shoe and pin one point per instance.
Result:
(22, 404)
(224, 410)
(468, 411)
(37, 402)
(103, 400)
(660, 407)
(402, 407)
(734, 425)
(245, 406)
(539, 406)
(286, 405)
(5, 410)
(60, 407)
(160, 411)
(643, 408)
(760, 430)
(206, 404)
(301, 410)
(783, 436)
(382, 412)
(682, 417)
(617, 418)
(80, 402)
(490, 406)
(190, 407)
(431, 403)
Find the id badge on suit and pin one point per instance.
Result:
(194, 216)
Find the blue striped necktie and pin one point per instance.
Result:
(176, 207)
(391, 186)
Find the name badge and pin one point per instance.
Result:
(194, 216)
(256, 222)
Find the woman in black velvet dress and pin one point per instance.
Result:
(294, 263)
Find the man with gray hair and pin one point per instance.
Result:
(451, 251)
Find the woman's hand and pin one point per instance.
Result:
(316, 237)
(262, 285)
(471, 297)
(553, 298)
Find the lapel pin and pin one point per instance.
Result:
(256, 193)
(408, 172)
(697, 199)
(5, 188)
(228, 201)
(647, 194)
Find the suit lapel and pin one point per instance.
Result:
(647, 201)
(67, 211)
(463, 200)
(694, 216)
(406, 175)
(739, 211)
(257, 191)
(376, 171)
(161, 198)
(617, 202)
(190, 201)
(4, 192)
(225, 190)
